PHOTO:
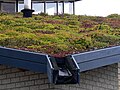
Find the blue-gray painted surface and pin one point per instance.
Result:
(32, 66)
(38, 62)
(97, 58)
(24, 55)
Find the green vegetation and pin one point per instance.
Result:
(59, 35)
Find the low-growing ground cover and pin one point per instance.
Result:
(59, 35)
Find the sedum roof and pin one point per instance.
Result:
(65, 39)
(58, 35)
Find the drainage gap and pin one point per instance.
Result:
(62, 70)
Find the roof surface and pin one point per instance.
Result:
(58, 35)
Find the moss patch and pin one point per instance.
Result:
(59, 35)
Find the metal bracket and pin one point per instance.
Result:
(62, 70)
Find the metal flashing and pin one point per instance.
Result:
(97, 58)
(59, 70)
